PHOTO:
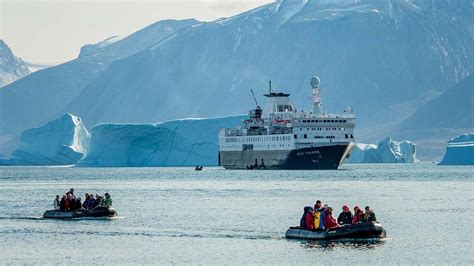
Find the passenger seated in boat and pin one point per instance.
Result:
(318, 215)
(70, 199)
(71, 191)
(72, 204)
(369, 215)
(317, 205)
(91, 201)
(99, 200)
(85, 204)
(329, 221)
(345, 217)
(358, 215)
(303, 217)
(108, 201)
(76, 204)
(57, 203)
(318, 223)
(310, 219)
(64, 204)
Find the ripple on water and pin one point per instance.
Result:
(178, 215)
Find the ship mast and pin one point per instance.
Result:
(255, 99)
(316, 93)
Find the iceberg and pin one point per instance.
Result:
(184, 142)
(63, 141)
(460, 151)
(387, 151)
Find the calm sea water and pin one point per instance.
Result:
(178, 215)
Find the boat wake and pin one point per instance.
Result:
(22, 218)
(38, 218)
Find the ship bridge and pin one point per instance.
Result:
(277, 102)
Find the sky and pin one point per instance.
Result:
(52, 31)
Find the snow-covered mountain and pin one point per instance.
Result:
(41, 96)
(371, 55)
(381, 57)
(11, 66)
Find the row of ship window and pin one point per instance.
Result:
(327, 128)
(278, 138)
(305, 136)
(322, 121)
(259, 139)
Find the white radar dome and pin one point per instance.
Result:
(315, 82)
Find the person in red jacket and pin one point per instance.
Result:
(329, 221)
(358, 215)
(310, 220)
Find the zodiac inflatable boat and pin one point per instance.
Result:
(352, 231)
(97, 212)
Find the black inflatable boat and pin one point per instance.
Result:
(96, 212)
(352, 231)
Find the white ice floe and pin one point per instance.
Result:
(387, 151)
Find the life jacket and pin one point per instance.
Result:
(317, 220)
(321, 219)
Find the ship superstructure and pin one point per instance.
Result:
(282, 137)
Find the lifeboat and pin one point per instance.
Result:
(96, 212)
(368, 230)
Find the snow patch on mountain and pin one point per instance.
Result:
(387, 151)
(92, 48)
(290, 8)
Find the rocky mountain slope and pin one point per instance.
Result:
(444, 117)
(11, 66)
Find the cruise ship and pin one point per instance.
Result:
(283, 137)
